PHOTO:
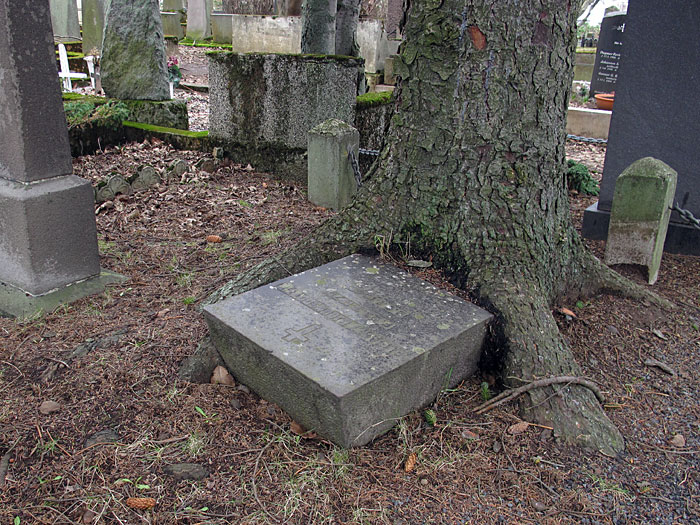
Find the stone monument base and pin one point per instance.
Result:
(17, 303)
(348, 348)
(680, 238)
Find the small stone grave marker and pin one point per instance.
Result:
(349, 347)
(331, 180)
(640, 214)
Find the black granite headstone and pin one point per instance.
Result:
(607, 60)
(657, 112)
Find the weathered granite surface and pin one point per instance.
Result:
(276, 99)
(349, 347)
(133, 63)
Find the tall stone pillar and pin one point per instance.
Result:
(93, 25)
(64, 19)
(48, 236)
(199, 19)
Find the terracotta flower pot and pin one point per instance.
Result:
(605, 100)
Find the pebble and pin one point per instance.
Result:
(47, 407)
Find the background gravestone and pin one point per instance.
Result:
(657, 112)
(48, 236)
(64, 19)
(640, 214)
(199, 19)
(607, 58)
(93, 25)
(133, 64)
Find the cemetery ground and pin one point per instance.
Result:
(93, 412)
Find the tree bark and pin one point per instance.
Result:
(346, 19)
(318, 27)
(473, 171)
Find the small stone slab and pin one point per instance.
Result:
(640, 214)
(349, 347)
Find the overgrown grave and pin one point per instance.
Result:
(349, 347)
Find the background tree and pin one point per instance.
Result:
(329, 27)
(473, 171)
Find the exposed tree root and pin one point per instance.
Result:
(603, 279)
(509, 395)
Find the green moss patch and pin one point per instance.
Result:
(162, 129)
(374, 99)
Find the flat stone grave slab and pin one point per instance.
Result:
(349, 347)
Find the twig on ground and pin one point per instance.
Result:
(5, 462)
(660, 365)
(509, 395)
(255, 487)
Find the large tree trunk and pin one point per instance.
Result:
(346, 19)
(473, 171)
(318, 27)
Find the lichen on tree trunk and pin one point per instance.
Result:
(473, 171)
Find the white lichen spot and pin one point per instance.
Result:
(246, 309)
(370, 322)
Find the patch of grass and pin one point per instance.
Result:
(195, 444)
(271, 237)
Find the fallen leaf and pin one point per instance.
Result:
(141, 503)
(410, 463)
(297, 429)
(566, 311)
(468, 434)
(518, 428)
(213, 238)
(264, 184)
(678, 441)
(48, 407)
(659, 334)
(220, 376)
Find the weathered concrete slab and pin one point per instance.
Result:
(583, 122)
(350, 346)
(640, 214)
(276, 99)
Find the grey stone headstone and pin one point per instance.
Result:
(331, 181)
(171, 24)
(133, 65)
(222, 27)
(198, 19)
(174, 5)
(607, 58)
(93, 25)
(641, 210)
(48, 235)
(349, 347)
(64, 19)
(656, 112)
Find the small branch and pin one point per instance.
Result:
(508, 395)
(5, 463)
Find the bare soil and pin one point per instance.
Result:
(109, 363)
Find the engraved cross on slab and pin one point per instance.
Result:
(298, 337)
